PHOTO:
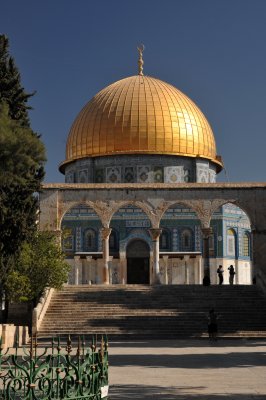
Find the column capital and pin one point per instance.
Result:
(77, 258)
(207, 232)
(155, 233)
(89, 258)
(106, 233)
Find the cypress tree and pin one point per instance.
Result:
(22, 157)
(11, 90)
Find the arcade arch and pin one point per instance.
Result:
(82, 243)
(181, 262)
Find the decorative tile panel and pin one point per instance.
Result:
(187, 175)
(212, 176)
(175, 239)
(129, 174)
(70, 177)
(174, 174)
(99, 175)
(198, 238)
(83, 176)
(144, 174)
(68, 241)
(100, 240)
(78, 239)
(203, 174)
(158, 174)
(113, 174)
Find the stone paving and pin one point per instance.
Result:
(188, 369)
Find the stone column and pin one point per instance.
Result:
(155, 235)
(105, 237)
(77, 267)
(123, 267)
(206, 233)
(165, 260)
(98, 271)
(110, 269)
(89, 260)
(198, 266)
(186, 258)
(236, 280)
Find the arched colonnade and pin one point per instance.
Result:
(204, 200)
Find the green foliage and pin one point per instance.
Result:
(22, 157)
(22, 154)
(41, 264)
(11, 90)
(18, 286)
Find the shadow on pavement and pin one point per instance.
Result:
(191, 361)
(143, 392)
(179, 343)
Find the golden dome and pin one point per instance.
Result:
(140, 115)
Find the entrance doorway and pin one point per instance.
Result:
(138, 262)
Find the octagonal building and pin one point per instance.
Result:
(129, 150)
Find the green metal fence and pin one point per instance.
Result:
(55, 371)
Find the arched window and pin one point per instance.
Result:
(89, 243)
(165, 240)
(186, 240)
(246, 244)
(231, 242)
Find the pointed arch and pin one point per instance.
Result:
(67, 207)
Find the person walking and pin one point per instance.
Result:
(231, 274)
(220, 272)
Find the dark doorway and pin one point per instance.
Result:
(138, 262)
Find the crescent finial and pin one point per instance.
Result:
(140, 48)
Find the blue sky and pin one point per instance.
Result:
(212, 50)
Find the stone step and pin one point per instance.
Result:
(158, 311)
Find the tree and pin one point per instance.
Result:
(22, 154)
(22, 157)
(41, 264)
(11, 90)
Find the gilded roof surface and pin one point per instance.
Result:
(144, 115)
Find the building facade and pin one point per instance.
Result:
(143, 133)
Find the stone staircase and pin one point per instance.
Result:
(155, 312)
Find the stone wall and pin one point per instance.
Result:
(12, 335)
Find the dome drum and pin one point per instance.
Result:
(140, 169)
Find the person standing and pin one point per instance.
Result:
(212, 325)
(220, 273)
(231, 274)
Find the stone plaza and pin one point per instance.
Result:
(188, 369)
